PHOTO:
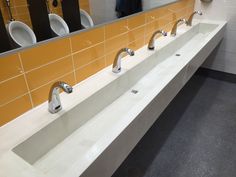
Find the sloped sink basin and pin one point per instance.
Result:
(111, 112)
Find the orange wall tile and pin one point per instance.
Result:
(90, 69)
(12, 89)
(26, 76)
(115, 29)
(52, 71)
(47, 53)
(136, 21)
(87, 56)
(12, 67)
(87, 39)
(14, 109)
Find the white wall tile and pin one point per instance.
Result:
(221, 61)
(224, 57)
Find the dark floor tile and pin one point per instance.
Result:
(194, 137)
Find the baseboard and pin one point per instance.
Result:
(219, 75)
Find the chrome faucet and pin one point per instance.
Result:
(174, 28)
(54, 102)
(116, 68)
(191, 17)
(151, 44)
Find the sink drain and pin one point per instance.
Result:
(134, 91)
(178, 55)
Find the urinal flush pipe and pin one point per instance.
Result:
(48, 7)
(9, 10)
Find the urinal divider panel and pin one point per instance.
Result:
(40, 20)
(71, 14)
(5, 43)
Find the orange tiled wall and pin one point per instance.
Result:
(20, 10)
(26, 76)
(84, 4)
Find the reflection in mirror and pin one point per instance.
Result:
(53, 19)
(5, 43)
(86, 20)
(39, 19)
(20, 33)
(103, 11)
(58, 26)
(71, 14)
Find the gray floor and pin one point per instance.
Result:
(194, 137)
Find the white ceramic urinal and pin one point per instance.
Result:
(21, 34)
(86, 19)
(58, 25)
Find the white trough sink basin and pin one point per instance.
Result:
(104, 118)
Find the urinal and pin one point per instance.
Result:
(58, 25)
(86, 20)
(21, 34)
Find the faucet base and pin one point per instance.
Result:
(151, 48)
(53, 109)
(116, 70)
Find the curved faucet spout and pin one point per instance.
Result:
(54, 102)
(151, 45)
(191, 17)
(174, 29)
(116, 68)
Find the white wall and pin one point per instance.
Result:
(104, 10)
(149, 4)
(224, 57)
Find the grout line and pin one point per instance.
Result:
(16, 98)
(127, 39)
(161, 27)
(127, 43)
(28, 93)
(108, 53)
(58, 78)
(73, 62)
(26, 82)
(51, 62)
(96, 58)
(136, 40)
(99, 58)
(178, 10)
(73, 53)
(117, 36)
(164, 16)
(8, 79)
(143, 25)
(104, 47)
